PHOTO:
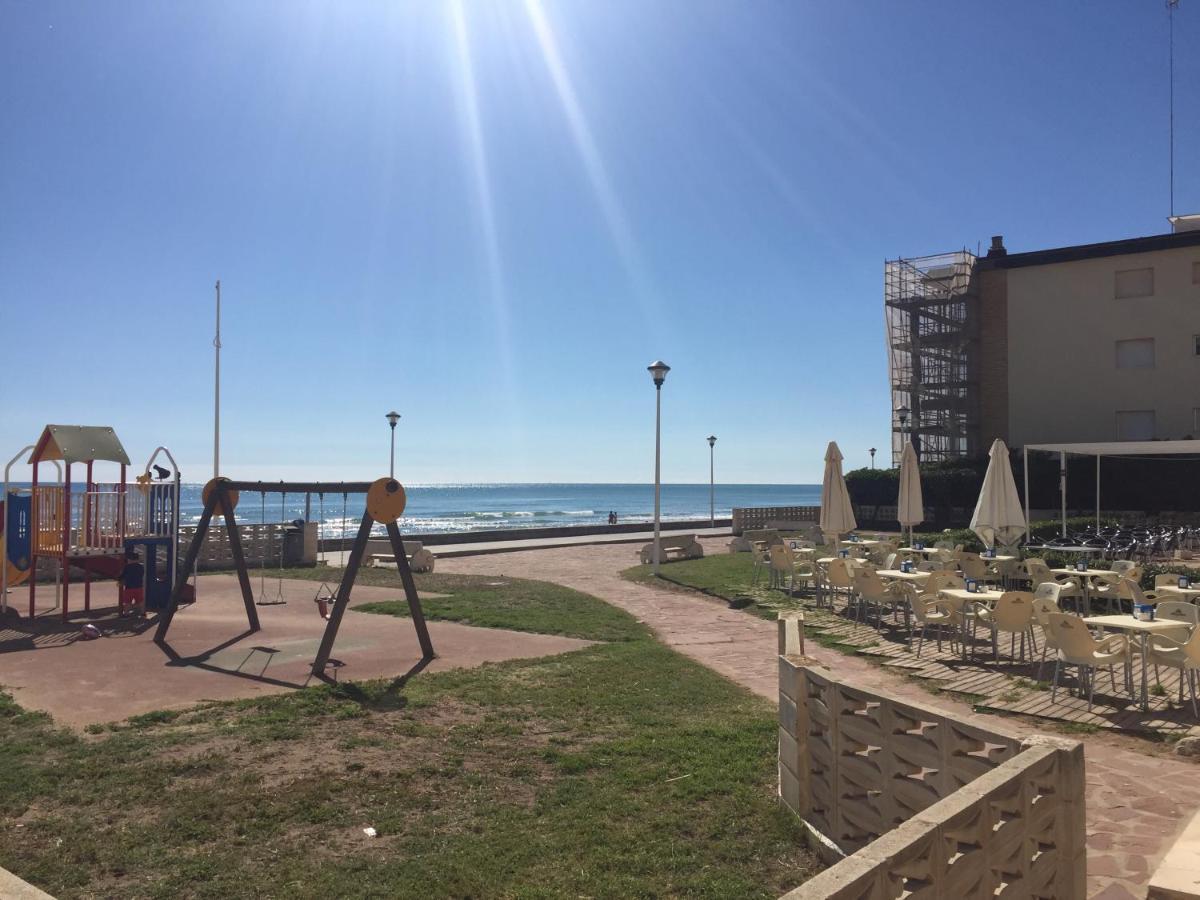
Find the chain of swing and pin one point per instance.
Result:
(263, 599)
(325, 594)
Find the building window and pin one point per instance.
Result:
(1135, 354)
(1134, 283)
(1135, 425)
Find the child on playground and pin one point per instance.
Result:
(133, 578)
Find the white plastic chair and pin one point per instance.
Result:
(1183, 655)
(1045, 606)
(1077, 647)
(929, 612)
(1012, 614)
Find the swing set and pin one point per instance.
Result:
(386, 500)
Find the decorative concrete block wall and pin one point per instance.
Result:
(261, 544)
(757, 517)
(923, 804)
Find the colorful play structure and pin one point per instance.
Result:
(129, 532)
(97, 528)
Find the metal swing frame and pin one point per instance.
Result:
(218, 500)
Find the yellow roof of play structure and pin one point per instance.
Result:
(79, 443)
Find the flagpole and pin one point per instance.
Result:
(217, 391)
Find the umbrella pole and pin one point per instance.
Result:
(1062, 487)
(1025, 451)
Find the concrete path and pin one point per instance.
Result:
(1137, 803)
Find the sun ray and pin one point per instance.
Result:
(611, 209)
(468, 96)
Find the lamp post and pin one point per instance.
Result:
(217, 389)
(712, 506)
(872, 452)
(658, 371)
(393, 417)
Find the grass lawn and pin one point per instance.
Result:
(624, 769)
(726, 576)
(498, 602)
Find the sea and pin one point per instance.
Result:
(482, 507)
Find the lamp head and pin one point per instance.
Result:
(872, 451)
(658, 371)
(393, 417)
(712, 439)
(902, 415)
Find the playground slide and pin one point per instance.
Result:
(15, 575)
(107, 566)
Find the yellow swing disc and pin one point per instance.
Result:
(231, 496)
(386, 500)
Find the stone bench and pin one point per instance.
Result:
(680, 546)
(379, 553)
(1178, 875)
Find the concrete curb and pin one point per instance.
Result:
(13, 888)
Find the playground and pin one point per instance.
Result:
(166, 637)
(211, 655)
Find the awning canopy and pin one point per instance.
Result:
(1104, 448)
(79, 444)
(1123, 448)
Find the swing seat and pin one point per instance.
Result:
(324, 599)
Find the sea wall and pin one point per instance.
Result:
(522, 534)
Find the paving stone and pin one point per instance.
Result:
(1114, 891)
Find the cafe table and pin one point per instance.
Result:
(1188, 593)
(803, 551)
(962, 597)
(1085, 578)
(898, 575)
(1139, 628)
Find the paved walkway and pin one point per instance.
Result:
(1136, 804)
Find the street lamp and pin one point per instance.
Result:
(712, 508)
(658, 371)
(872, 452)
(393, 417)
(903, 415)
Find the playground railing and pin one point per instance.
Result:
(48, 519)
(101, 519)
(98, 520)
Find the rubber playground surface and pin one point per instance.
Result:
(210, 654)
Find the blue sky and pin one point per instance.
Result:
(493, 215)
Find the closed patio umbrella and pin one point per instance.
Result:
(998, 517)
(910, 507)
(837, 515)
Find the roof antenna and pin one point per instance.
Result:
(1171, 5)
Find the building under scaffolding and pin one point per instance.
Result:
(932, 310)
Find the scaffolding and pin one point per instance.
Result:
(931, 310)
